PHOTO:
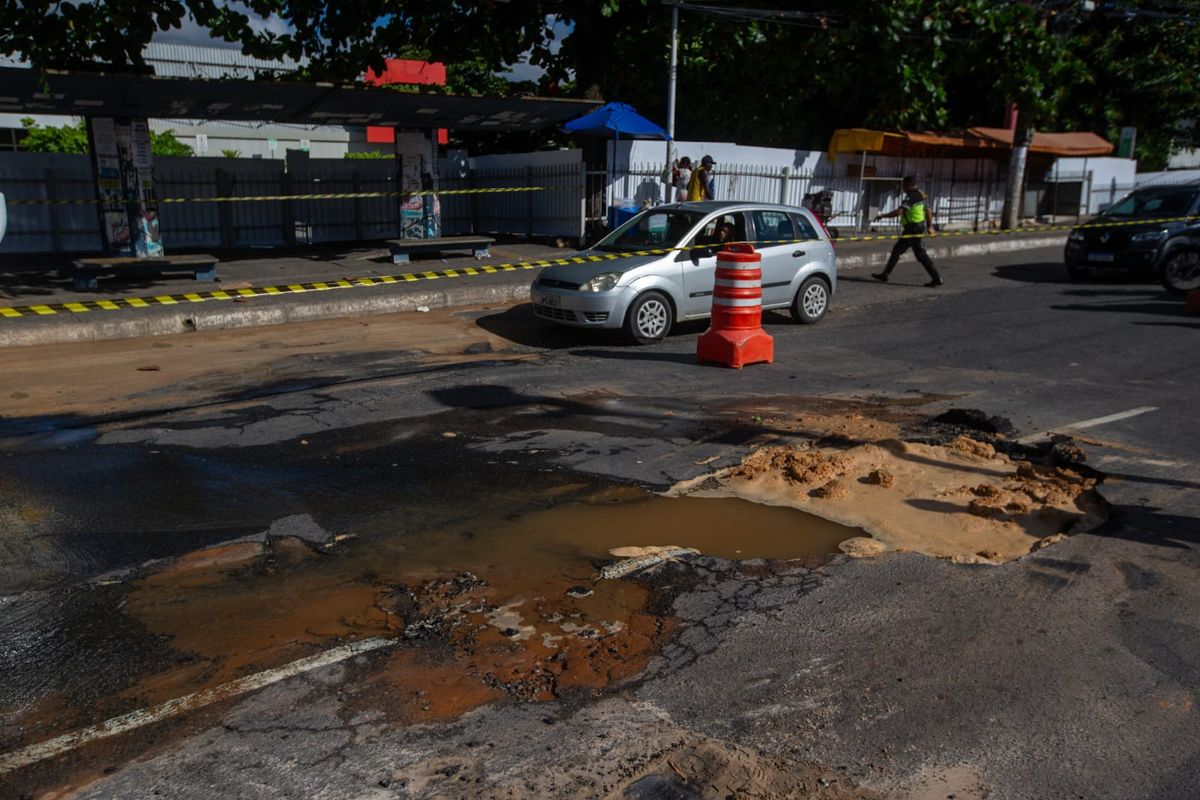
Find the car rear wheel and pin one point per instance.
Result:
(1181, 272)
(649, 318)
(812, 301)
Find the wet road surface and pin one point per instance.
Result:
(465, 506)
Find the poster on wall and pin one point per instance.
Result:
(114, 217)
(147, 241)
(416, 157)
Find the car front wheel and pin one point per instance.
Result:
(649, 318)
(1181, 271)
(812, 301)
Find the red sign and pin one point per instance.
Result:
(409, 71)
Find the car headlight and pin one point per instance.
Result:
(602, 282)
(1147, 236)
(1076, 236)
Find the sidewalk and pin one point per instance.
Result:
(33, 281)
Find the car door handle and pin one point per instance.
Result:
(797, 253)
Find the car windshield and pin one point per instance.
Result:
(651, 229)
(1156, 203)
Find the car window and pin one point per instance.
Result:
(1155, 203)
(804, 228)
(716, 232)
(651, 229)
(773, 227)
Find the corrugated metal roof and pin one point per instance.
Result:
(173, 60)
(170, 59)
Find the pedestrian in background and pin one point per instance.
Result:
(702, 184)
(917, 221)
(683, 174)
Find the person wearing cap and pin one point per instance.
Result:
(917, 221)
(700, 187)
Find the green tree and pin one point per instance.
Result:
(73, 139)
(231, 153)
(165, 144)
(65, 139)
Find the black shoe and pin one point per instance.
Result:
(936, 282)
(880, 276)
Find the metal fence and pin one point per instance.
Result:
(974, 203)
(572, 203)
(555, 209)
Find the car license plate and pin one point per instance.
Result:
(1104, 257)
(551, 300)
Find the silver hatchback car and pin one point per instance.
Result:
(646, 294)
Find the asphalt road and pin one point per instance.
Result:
(1073, 672)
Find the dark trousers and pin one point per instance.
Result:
(914, 232)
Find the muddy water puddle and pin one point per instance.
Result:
(507, 604)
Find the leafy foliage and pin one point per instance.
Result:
(916, 64)
(67, 139)
(229, 153)
(73, 139)
(166, 144)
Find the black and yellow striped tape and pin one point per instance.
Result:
(116, 304)
(279, 197)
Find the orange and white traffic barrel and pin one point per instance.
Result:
(735, 337)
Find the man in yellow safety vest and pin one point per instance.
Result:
(917, 221)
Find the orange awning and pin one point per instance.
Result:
(951, 143)
(1082, 143)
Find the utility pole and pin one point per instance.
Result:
(672, 78)
(1022, 138)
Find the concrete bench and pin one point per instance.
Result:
(403, 248)
(86, 272)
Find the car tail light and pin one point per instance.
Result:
(821, 222)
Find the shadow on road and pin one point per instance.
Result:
(637, 354)
(1167, 307)
(1192, 325)
(520, 326)
(1056, 272)
(1150, 525)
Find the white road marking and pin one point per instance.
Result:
(1090, 423)
(147, 716)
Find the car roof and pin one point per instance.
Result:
(712, 206)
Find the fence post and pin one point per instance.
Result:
(356, 187)
(54, 209)
(529, 202)
(225, 210)
(583, 196)
(289, 209)
(784, 177)
(472, 183)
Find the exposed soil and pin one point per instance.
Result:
(962, 500)
(524, 607)
(111, 377)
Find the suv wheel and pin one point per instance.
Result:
(1181, 271)
(649, 318)
(812, 301)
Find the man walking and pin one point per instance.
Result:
(701, 185)
(917, 221)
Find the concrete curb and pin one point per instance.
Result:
(877, 258)
(340, 304)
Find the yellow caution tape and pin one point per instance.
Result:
(281, 197)
(115, 303)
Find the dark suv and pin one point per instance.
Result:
(1130, 236)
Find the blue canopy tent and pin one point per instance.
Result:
(617, 120)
